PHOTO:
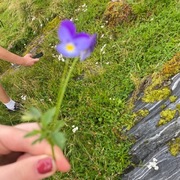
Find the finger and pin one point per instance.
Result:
(36, 168)
(12, 139)
(28, 126)
(36, 60)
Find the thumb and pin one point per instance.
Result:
(32, 168)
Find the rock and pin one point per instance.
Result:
(152, 139)
(168, 167)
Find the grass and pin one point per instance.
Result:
(96, 97)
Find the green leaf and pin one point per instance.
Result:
(38, 140)
(32, 133)
(32, 114)
(47, 117)
(58, 139)
(59, 125)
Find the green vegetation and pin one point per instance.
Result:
(166, 116)
(173, 98)
(174, 146)
(96, 97)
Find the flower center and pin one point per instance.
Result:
(70, 47)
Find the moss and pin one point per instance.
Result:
(51, 25)
(172, 67)
(155, 88)
(140, 114)
(174, 147)
(156, 95)
(166, 116)
(117, 13)
(163, 106)
(178, 107)
(172, 98)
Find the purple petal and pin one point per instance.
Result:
(84, 55)
(66, 31)
(82, 41)
(93, 42)
(62, 49)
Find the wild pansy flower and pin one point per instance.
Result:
(74, 44)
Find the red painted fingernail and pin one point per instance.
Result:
(45, 165)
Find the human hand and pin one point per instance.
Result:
(20, 160)
(28, 60)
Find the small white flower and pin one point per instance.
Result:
(84, 10)
(23, 97)
(156, 168)
(153, 164)
(102, 49)
(102, 35)
(102, 26)
(74, 129)
(107, 63)
(84, 5)
(33, 18)
(149, 166)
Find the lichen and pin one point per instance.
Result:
(166, 116)
(172, 98)
(174, 146)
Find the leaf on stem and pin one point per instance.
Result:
(59, 125)
(32, 114)
(32, 133)
(47, 117)
(58, 139)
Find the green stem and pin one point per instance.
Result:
(53, 154)
(62, 88)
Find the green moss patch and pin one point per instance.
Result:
(166, 116)
(174, 147)
(156, 95)
(172, 98)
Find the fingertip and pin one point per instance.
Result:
(37, 59)
(63, 165)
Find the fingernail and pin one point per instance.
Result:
(44, 165)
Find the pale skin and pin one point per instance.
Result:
(19, 158)
(6, 55)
